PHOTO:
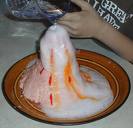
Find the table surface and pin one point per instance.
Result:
(19, 39)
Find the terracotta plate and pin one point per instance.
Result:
(113, 72)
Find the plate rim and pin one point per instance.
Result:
(64, 123)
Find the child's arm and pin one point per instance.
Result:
(87, 23)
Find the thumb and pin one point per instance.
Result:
(83, 4)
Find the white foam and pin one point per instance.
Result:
(72, 96)
(71, 105)
(86, 107)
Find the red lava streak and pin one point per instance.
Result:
(50, 80)
(51, 99)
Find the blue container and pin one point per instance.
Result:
(37, 9)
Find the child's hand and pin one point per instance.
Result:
(86, 23)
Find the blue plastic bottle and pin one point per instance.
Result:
(37, 9)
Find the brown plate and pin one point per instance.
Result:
(114, 73)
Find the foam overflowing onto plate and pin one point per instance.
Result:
(57, 83)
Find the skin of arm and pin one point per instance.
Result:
(87, 23)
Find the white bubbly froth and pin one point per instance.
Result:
(73, 96)
(87, 107)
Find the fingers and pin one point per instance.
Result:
(81, 3)
(69, 30)
(68, 17)
(65, 23)
(69, 26)
(72, 30)
(73, 17)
